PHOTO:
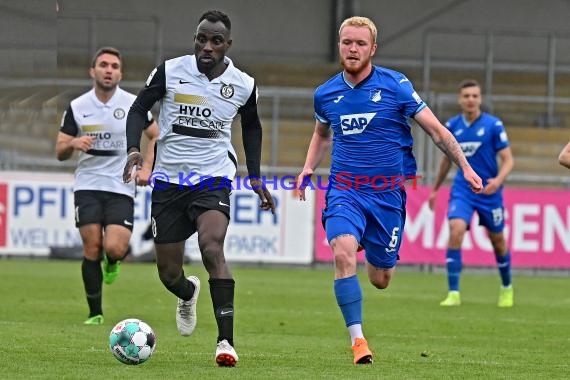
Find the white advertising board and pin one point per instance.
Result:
(37, 212)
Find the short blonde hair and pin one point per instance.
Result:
(360, 21)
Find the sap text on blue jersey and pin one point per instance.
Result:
(470, 148)
(355, 123)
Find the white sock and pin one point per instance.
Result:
(355, 331)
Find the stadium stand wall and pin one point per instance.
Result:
(290, 43)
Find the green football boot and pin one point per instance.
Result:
(110, 271)
(506, 297)
(95, 320)
(453, 299)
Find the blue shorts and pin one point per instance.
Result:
(375, 219)
(489, 208)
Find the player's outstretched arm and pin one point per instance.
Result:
(319, 145)
(564, 157)
(448, 145)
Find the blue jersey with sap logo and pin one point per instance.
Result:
(371, 132)
(480, 142)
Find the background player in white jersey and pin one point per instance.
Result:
(366, 109)
(482, 137)
(564, 157)
(199, 96)
(94, 124)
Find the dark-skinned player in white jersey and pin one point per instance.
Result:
(199, 96)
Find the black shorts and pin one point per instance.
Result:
(175, 209)
(104, 208)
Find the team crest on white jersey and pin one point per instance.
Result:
(227, 91)
(470, 148)
(119, 113)
(355, 123)
(375, 95)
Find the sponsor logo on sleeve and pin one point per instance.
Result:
(416, 97)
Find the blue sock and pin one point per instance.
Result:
(349, 298)
(504, 265)
(453, 268)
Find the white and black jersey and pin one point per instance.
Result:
(195, 120)
(101, 168)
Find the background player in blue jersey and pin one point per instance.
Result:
(482, 137)
(564, 157)
(366, 109)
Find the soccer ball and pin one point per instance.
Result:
(132, 341)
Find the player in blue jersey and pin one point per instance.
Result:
(363, 113)
(482, 137)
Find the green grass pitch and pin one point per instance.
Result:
(287, 327)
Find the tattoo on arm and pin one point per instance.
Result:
(452, 149)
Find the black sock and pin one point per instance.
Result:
(222, 293)
(93, 282)
(182, 288)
